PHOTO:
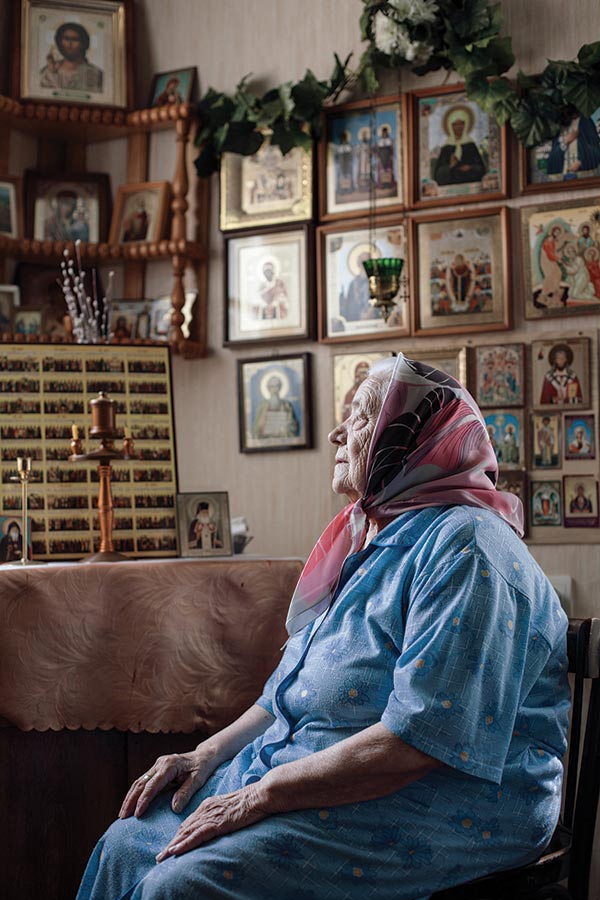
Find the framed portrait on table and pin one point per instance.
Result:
(460, 268)
(203, 524)
(70, 208)
(74, 51)
(275, 403)
(140, 213)
(175, 86)
(568, 161)
(546, 503)
(349, 372)
(561, 373)
(507, 436)
(546, 440)
(130, 319)
(499, 375)
(362, 158)
(268, 278)
(345, 313)
(580, 501)
(11, 207)
(580, 436)
(561, 258)
(266, 188)
(458, 150)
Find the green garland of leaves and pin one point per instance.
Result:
(465, 38)
(290, 114)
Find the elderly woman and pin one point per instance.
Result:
(411, 737)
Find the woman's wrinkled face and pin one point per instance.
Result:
(352, 440)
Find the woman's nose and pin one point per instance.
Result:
(338, 435)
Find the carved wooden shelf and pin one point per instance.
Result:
(77, 125)
(188, 349)
(87, 123)
(53, 251)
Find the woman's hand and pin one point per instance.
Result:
(215, 817)
(189, 770)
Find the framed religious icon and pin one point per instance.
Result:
(175, 86)
(507, 436)
(268, 279)
(27, 323)
(74, 51)
(140, 213)
(546, 440)
(458, 150)
(203, 524)
(499, 375)
(349, 372)
(451, 361)
(362, 158)
(561, 258)
(275, 403)
(72, 208)
(345, 311)
(130, 319)
(461, 273)
(266, 188)
(161, 314)
(561, 373)
(9, 299)
(580, 436)
(568, 161)
(580, 501)
(546, 503)
(11, 207)
(516, 483)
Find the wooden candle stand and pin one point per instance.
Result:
(103, 427)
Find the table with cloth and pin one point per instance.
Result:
(102, 668)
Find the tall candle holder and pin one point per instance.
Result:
(104, 428)
(25, 472)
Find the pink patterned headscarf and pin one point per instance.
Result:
(430, 447)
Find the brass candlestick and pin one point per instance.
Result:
(24, 469)
(104, 428)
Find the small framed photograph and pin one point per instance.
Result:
(499, 375)
(67, 209)
(130, 319)
(345, 311)
(204, 525)
(561, 373)
(349, 372)
(362, 158)
(580, 499)
(568, 161)
(546, 503)
(11, 207)
(275, 403)
(462, 273)
(545, 440)
(9, 299)
(176, 86)
(161, 312)
(269, 277)
(27, 323)
(140, 213)
(507, 436)
(580, 436)
(458, 150)
(561, 259)
(516, 483)
(266, 188)
(74, 51)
